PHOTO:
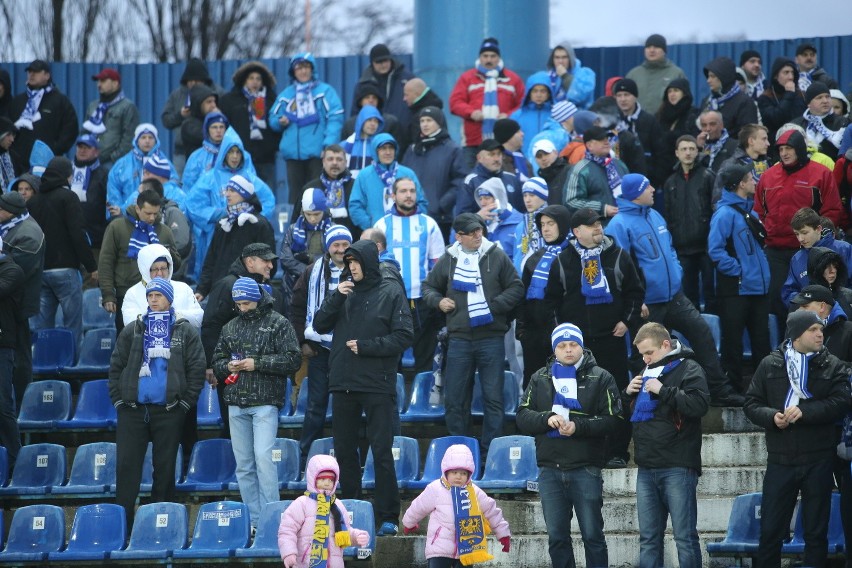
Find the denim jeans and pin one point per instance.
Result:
(253, 432)
(61, 286)
(464, 357)
(314, 422)
(661, 493)
(10, 438)
(580, 490)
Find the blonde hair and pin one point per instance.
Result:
(656, 332)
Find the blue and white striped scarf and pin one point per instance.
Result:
(95, 122)
(12, 223)
(466, 278)
(797, 374)
(238, 213)
(613, 178)
(301, 228)
(143, 235)
(564, 392)
(713, 148)
(388, 175)
(646, 403)
(540, 274)
(490, 106)
(716, 102)
(817, 131)
(31, 113)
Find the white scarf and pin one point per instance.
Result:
(31, 115)
(317, 290)
(817, 131)
(467, 278)
(797, 374)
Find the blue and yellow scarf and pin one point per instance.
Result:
(322, 530)
(470, 525)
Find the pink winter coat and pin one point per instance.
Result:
(297, 523)
(437, 502)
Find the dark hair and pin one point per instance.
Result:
(150, 197)
(685, 138)
(334, 149)
(553, 52)
(152, 184)
(748, 131)
(399, 179)
(805, 217)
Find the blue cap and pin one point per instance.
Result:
(88, 140)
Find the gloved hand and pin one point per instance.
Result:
(363, 539)
(290, 561)
(506, 542)
(410, 530)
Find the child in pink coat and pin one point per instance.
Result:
(307, 532)
(460, 515)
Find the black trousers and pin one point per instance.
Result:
(738, 313)
(427, 323)
(23, 373)
(136, 427)
(300, 172)
(347, 407)
(699, 274)
(537, 349)
(611, 353)
(779, 267)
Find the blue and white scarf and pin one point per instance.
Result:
(613, 178)
(531, 241)
(317, 289)
(157, 338)
(805, 79)
(388, 175)
(712, 149)
(490, 106)
(817, 131)
(629, 122)
(564, 392)
(81, 177)
(593, 283)
(302, 110)
(213, 150)
(31, 114)
(7, 171)
(559, 92)
(257, 112)
(335, 195)
(756, 89)
(12, 223)
(239, 213)
(646, 404)
(797, 374)
(467, 278)
(95, 122)
(520, 163)
(715, 102)
(540, 274)
(300, 232)
(143, 235)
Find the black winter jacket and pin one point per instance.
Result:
(777, 105)
(740, 109)
(58, 127)
(599, 416)
(812, 438)
(192, 129)
(234, 105)
(267, 337)
(94, 220)
(377, 315)
(688, 208)
(556, 176)
(11, 280)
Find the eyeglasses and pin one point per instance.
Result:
(164, 270)
(474, 232)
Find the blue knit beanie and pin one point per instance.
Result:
(245, 289)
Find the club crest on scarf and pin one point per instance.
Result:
(591, 271)
(471, 526)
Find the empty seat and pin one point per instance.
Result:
(148, 469)
(320, 446)
(95, 353)
(434, 455)
(211, 466)
(53, 351)
(297, 417)
(714, 323)
(406, 461)
(36, 530)
(774, 341)
(265, 543)
(94, 407)
(510, 464)
(510, 395)
(360, 517)
(743, 533)
(45, 403)
(287, 408)
(94, 316)
(97, 531)
(4, 474)
(93, 470)
(208, 411)
(419, 408)
(220, 529)
(37, 468)
(285, 456)
(836, 539)
(158, 530)
(408, 358)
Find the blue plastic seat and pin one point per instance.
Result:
(361, 517)
(285, 456)
(287, 409)
(4, 475)
(158, 530)
(148, 469)
(406, 461)
(94, 407)
(297, 416)
(836, 538)
(401, 398)
(320, 446)
(97, 531)
(434, 455)
(774, 341)
(37, 468)
(93, 470)
(265, 543)
(212, 466)
(44, 404)
(94, 316)
(743, 533)
(53, 351)
(95, 353)
(510, 395)
(220, 529)
(408, 358)
(419, 409)
(208, 411)
(36, 530)
(713, 322)
(510, 464)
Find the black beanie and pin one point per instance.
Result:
(656, 40)
(748, 54)
(799, 322)
(817, 88)
(490, 44)
(504, 129)
(626, 86)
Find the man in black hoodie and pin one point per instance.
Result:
(737, 108)
(372, 327)
(390, 75)
(202, 100)
(781, 101)
(176, 109)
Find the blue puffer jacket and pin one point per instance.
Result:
(367, 202)
(642, 232)
(748, 269)
(305, 141)
(202, 160)
(530, 116)
(205, 203)
(126, 173)
(797, 277)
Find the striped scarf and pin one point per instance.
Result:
(143, 235)
(797, 374)
(613, 178)
(300, 232)
(646, 403)
(302, 110)
(238, 213)
(388, 175)
(95, 122)
(7, 171)
(712, 149)
(317, 289)
(564, 392)
(31, 114)
(490, 107)
(466, 278)
(715, 102)
(540, 274)
(256, 112)
(12, 223)
(818, 131)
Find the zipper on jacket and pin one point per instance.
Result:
(660, 248)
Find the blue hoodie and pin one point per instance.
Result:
(797, 276)
(306, 141)
(749, 263)
(533, 117)
(206, 203)
(642, 231)
(126, 173)
(203, 158)
(367, 202)
(359, 150)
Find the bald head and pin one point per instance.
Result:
(377, 237)
(412, 90)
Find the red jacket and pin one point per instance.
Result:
(780, 194)
(843, 178)
(467, 97)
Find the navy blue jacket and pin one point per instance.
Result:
(797, 277)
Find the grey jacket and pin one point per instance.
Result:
(25, 244)
(120, 121)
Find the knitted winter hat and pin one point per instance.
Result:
(162, 286)
(146, 128)
(656, 40)
(565, 332)
(313, 199)
(241, 185)
(504, 129)
(337, 233)
(799, 322)
(536, 186)
(749, 54)
(817, 88)
(490, 44)
(158, 166)
(632, 186)
(562, 111)
(625, 86)
(245, 289)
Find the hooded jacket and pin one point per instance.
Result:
(436, 502)
(120, 120)
(296, 531)
(804, 261)
(306, 142)
(578, 83)
(741, 265)
(57, 211)
(267, 337)
(813, 437)
(125, 175)
(643, 233)
(676, 120)
(503, 228)
(377, 315)
(688, 207)
(466, 198)
(531, 116)
(819, 259)
(58, 127)
(740, 109)
(203, 159)
(777, 105)
(837, 333)
(192, 129)
(391, 123)
(501, 286)
(359, 150)
(393, 84)
(782, 191)
(135, 301)
(469, 92)
(171, 116)
(234, 105)
(367, 202)
(599, 415)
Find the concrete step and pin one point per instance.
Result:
(733, 449)
(713, 481)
